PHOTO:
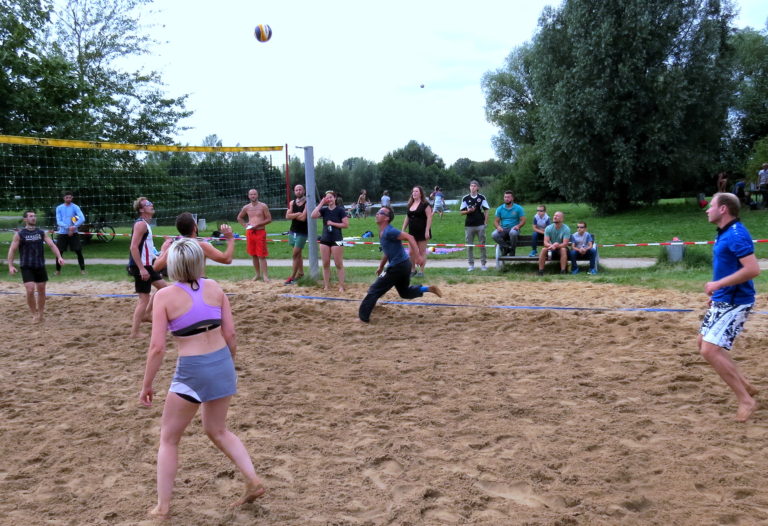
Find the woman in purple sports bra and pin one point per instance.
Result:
(197, 313)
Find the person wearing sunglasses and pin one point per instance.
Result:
(583, 247)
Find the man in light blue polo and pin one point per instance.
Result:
(509, 219)
(732, 294)
(69, 218)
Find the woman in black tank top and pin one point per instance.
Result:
(418, 220)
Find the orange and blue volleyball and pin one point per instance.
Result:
(262, 32)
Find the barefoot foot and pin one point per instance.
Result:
(157, 513)
(434, 289)
(745, 411)
(253, 491)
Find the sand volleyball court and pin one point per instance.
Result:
(429, 415)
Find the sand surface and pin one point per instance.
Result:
(429, 415)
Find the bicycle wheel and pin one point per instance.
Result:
(105, 233)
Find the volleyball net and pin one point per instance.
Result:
(105, 178)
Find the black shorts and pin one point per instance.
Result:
(328, 243)
(38, 275)
(63, 241)
(141, 286)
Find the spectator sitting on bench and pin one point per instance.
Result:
(510, 218)
(540, 221)
(556, 238)
(583, 247)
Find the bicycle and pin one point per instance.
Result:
(104, 232)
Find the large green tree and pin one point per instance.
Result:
(622, 101)
(97, 36)
(414, 164)
(749, 114)
(511, 104)
(38, 87)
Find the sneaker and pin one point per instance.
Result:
(540, 272)
(563, 271)
(470, 268)
(483, 268)
(413, 273)
(419, 275)
(593, 271)
(532, 254)
(575, 271)
(289, 281)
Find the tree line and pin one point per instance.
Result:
(618, 103)
(398, 172)
(614, 103)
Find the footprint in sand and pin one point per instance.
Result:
(440, 515)
(521, 493)
(382, 466)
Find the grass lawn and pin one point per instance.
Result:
(651, 224)
(648, 225)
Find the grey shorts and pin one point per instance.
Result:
(723, 322)
(205, 377)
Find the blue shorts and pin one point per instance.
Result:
(723, 322)
(297, 240)
(205, 377)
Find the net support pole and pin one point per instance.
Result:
(287, 178)
(309, 174)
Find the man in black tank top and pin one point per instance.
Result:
(297, 213)
(29, 240)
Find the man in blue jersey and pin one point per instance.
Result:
(29, 240)
(732, 295)
(398, 272)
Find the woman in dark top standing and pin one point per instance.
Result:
(419, 223)
(334, 219)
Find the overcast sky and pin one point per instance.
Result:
(344, 76)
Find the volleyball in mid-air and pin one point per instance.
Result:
(262, 32)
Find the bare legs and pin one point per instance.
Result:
(423, 251)
(260, 267)
(297, 270)
(215, 425)
(143, 310)
(177, 414)
(139, 313)
(36, 305)
(724, 365)
(338, 259)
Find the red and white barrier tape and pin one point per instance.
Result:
(451, 245)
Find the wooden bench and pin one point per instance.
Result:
(524, 245)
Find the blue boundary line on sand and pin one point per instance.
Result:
(508, 307)
(72, 294)
(414, 303)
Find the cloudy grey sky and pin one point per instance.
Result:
(344, 75)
